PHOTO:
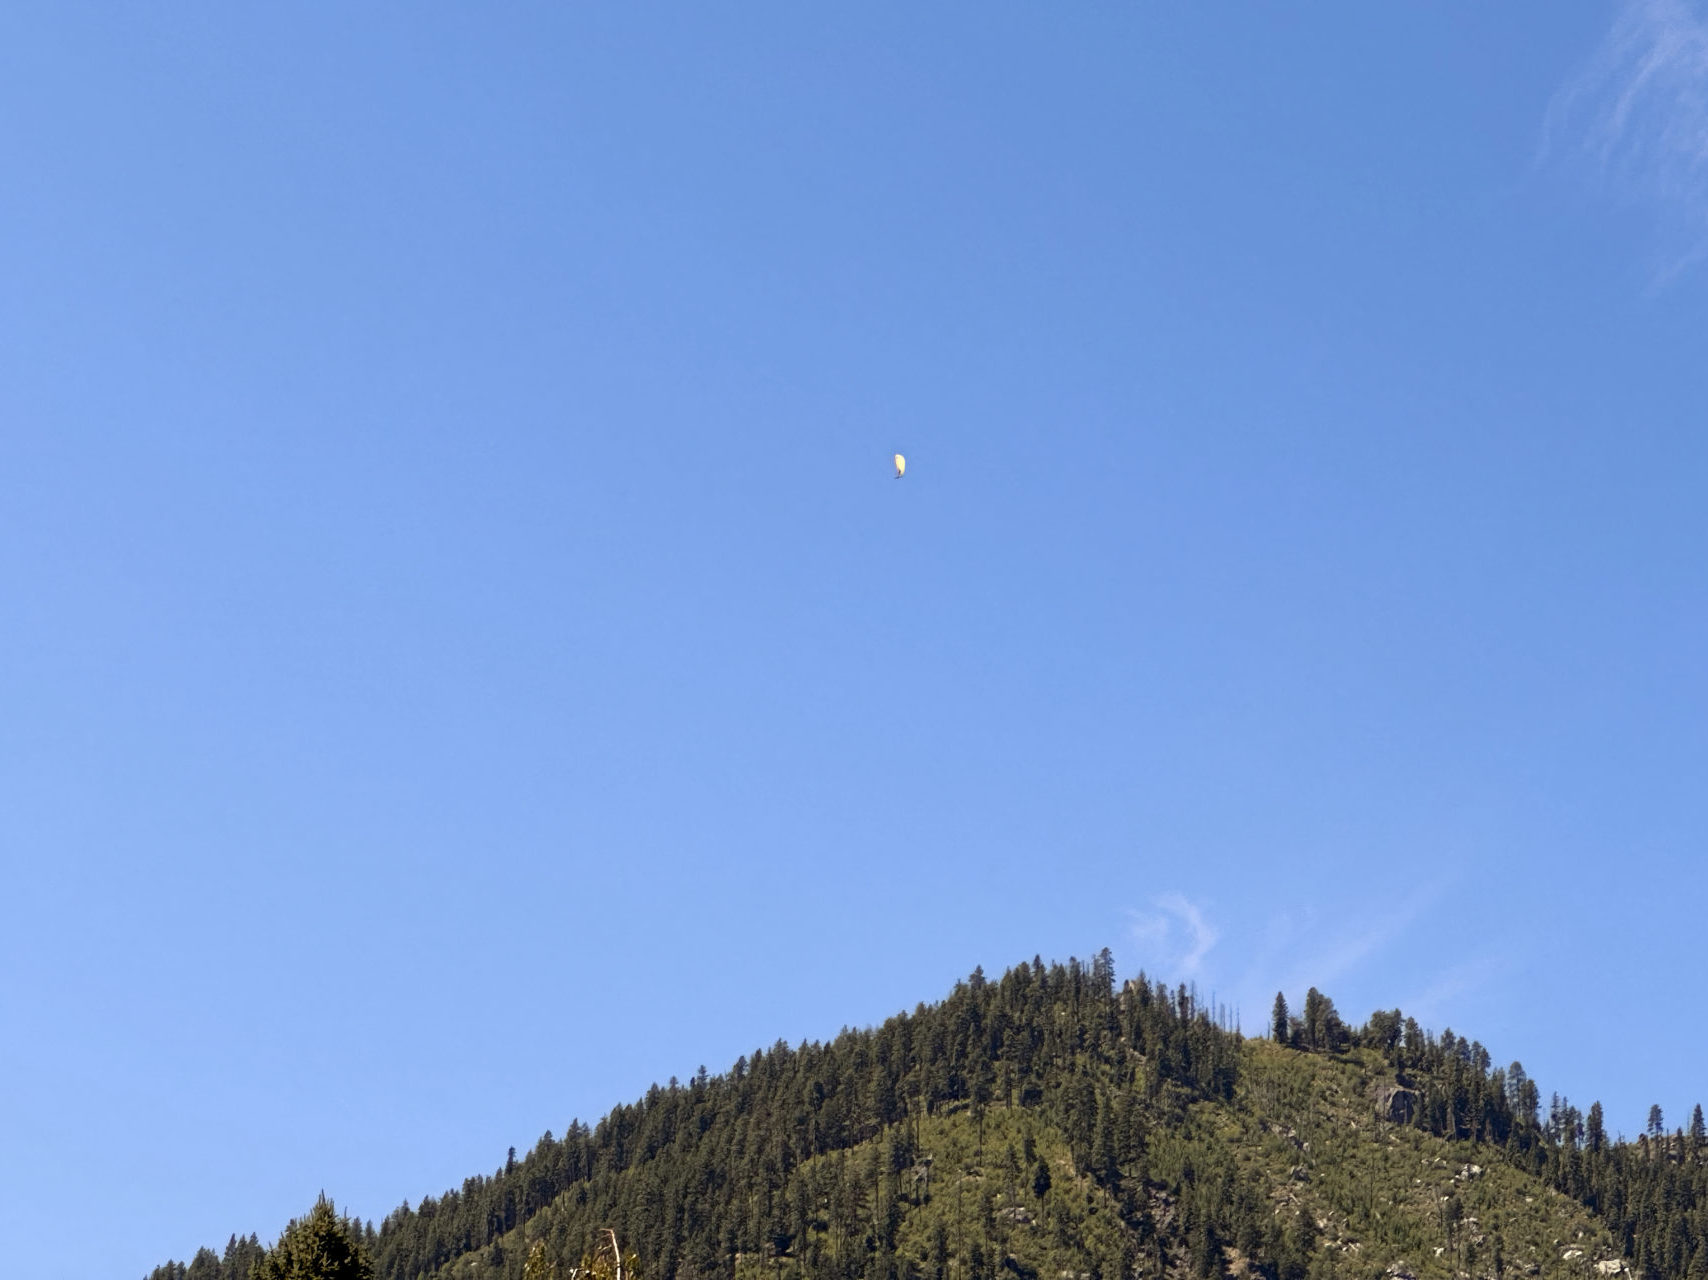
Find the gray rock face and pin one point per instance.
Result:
(1396, 1104)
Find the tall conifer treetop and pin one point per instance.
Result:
(319, 1247)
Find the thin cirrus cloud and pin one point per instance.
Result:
(1175, 935)
(1640, 113)
(1434, 1002)
(1309, 951)
(1174, 939)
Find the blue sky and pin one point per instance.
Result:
(465, 657)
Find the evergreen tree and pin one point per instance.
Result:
(1323, 1029)
(1103, 1160)
(1279, 1020)
(1103, 974)
(1309, 1018)
(318, 1247)
(1382, 1032)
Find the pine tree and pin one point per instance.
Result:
(1103, 974)
(1040, 1177)
(1278, 1020)
(1313, 1019)
(317, 1247)
(1103, 1160)
(983, 1080)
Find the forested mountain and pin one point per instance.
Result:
(1049, 1126)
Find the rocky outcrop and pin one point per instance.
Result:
(1396, 1104)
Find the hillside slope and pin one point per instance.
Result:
(1048, 1127)
(1295, 1175)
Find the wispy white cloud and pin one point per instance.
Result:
(1175, 936)
(1179, 939)
(1640, 111)
(1435, 1003)
(1304, 948)
(1342, 955)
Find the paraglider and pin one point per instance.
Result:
(901, 466)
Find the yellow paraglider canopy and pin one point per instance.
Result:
(901, 466)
